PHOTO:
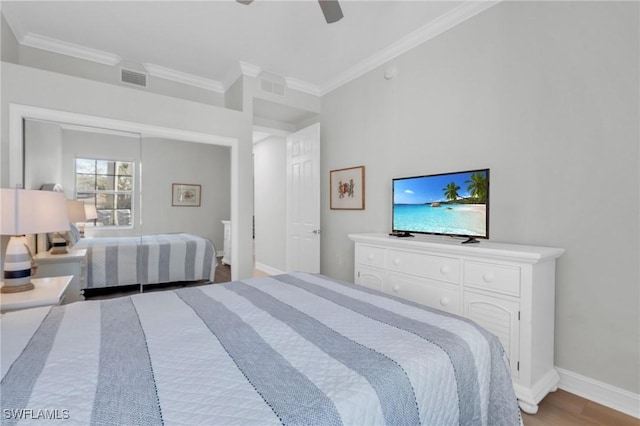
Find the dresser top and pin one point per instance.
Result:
(513, 252)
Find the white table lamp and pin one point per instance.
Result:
(76, 215)
(27, 212)
(91, 214)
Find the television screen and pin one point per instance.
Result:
(455, 204)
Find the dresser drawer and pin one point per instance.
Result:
(371, 256)
(502, 279)
(427, 293)
(437, 267)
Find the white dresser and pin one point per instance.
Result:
(508, 289)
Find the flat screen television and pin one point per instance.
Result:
(453, 204)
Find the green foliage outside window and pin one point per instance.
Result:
(108, 185)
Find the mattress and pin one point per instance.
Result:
(148, 259)
(298, 349)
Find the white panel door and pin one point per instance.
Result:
(303, 200)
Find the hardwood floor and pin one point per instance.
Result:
(223, 273)
(561, 408)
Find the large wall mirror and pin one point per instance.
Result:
(127, 172)
(129, 178)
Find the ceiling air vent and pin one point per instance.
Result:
(271, 83)
(133, 77)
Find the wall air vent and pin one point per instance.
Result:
(271, 83)
(133, 77)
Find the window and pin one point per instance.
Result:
(108, 185)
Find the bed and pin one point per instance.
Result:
(147, 259)
(297, 349)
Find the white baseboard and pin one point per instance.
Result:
(602, 393)
(268, 269)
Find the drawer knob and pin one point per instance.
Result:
(396, 261)
(396, 288)
(487, 277)
(444, 269)
(444, 301)
(370, 256)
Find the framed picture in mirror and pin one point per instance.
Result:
(185, 195)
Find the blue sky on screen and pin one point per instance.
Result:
(427, 189)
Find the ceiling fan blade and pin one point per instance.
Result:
(332, 10)
(245, 1)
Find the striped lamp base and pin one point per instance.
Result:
(17, 266)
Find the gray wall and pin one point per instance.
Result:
(546, 95)
(270, 171)
(165, 162)
(9, 44)
(44, 152)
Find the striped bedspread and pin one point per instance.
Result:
(295, 349)
(148, 259)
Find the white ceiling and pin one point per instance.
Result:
(211, 42)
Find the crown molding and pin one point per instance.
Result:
(238, 70)
(434, 28)
(249, 70)
(184, 78)
(302, 86)
(62, 47)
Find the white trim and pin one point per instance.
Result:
(17, 114)
(303, 86)
(62, 47)
(268, 269)
(602, 393)
(434, 28)
(76, 128)
(249, 70)
(242, 69)
(184, 78)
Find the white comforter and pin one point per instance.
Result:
(290, 349)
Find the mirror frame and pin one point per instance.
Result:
(18, 113)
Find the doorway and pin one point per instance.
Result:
(272, 126)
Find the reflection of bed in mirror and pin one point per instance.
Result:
(148, 259)
(51, 150)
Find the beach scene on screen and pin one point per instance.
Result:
(454, 203)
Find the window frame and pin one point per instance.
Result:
(111, 192)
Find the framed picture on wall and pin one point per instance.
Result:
(185, 195)
(347, 189)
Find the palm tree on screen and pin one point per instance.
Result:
(451, 191)
(478, 186)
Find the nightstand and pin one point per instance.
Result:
(71, 263)
(46, 292)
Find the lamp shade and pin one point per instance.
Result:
(76, 211)
(27, 211)
(90, 212)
